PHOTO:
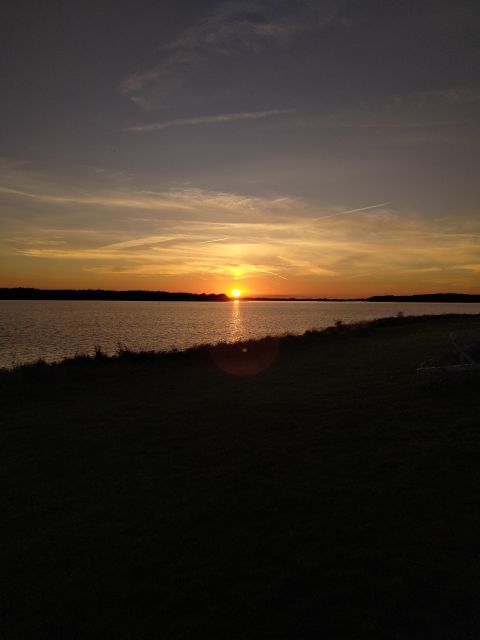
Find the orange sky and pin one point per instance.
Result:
(189, 239)
(296, 148)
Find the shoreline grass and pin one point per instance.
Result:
(163, 495)
(339, 329)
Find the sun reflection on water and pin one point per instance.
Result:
(236, 324)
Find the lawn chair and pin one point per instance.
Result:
(469, 352)
(467, 349)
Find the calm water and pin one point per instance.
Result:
(32, 329)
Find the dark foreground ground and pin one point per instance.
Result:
(332, 495)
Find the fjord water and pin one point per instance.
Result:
(55, 329)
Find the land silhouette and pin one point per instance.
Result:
(26, 293)
(23, 293)
(296, 487)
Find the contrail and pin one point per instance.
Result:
(220, 118)
(271, 273)
(214, 240)
(341, 213)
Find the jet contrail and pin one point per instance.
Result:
(214, 240)
(341, 213)
(271, 273)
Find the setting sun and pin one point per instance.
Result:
(236, 293)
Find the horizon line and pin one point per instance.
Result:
(260, 297)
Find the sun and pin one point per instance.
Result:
(236, 293)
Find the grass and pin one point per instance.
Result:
(326, 492)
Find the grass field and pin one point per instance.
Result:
(330, 495)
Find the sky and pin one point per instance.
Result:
(297, 148)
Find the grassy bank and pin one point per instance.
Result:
(304, 487)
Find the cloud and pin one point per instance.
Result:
(424, 120)
(216, 119)
(339, 251)
(232, 28)
(453, 107)
(194, 232)
(196, 202)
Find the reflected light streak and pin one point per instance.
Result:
(236, 324)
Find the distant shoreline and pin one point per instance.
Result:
(25, 293)
(103, 294)
(427, 297)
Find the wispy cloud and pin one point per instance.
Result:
(232, 28)
(196, 233)
(215, 119)
(211, 205)
(366, 250)
(422, 115)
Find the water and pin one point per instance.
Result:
(52, 330)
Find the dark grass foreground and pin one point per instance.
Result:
(332, 495)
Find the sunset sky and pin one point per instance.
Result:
(319, 148)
